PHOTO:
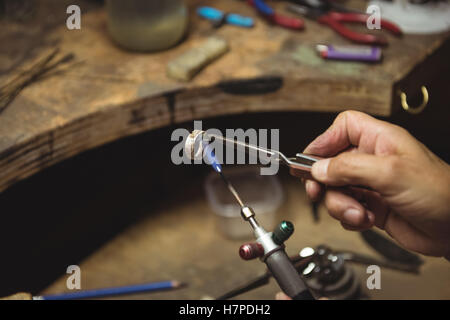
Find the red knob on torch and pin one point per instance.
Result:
(249, 251)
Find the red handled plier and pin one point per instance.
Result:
(274, 17)
(335, 19)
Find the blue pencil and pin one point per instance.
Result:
(105, 292)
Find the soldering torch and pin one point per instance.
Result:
(269, 246)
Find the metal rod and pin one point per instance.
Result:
(232, 190)
(253, 223)
(237, 143)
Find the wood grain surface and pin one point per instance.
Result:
(180, 241)
(111, 93)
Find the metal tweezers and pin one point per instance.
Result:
(299, 166)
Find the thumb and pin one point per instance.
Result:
(356, 169)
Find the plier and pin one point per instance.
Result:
(325, 13)
(218, 17)
(274, 17)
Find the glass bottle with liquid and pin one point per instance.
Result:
(146, 25)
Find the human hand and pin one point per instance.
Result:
(409, 194)
(284, 296)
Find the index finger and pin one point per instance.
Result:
(350, 128)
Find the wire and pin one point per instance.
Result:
(232, 190)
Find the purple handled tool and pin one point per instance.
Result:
(350, 52)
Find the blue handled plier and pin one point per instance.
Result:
(219, 18)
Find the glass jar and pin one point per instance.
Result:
(146, 25)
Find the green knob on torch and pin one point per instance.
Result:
(282, 232)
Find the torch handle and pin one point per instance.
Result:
(287, 276)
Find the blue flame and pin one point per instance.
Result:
(209, 152)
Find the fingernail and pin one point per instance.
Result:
(312, 190)
(371, 217)
(352, 217)
(308, 185)
(320, 168)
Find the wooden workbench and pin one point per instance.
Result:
(180, 241)
(112, 93)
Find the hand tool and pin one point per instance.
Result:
(269, 246)
(250, 86)
(396, 257)
(276, 18)
(299, 165)
(326, 14)
(299, 262)
(114, 291)
(326, 5)
(350, 52)
(219, 18)
(327, 271)
(389, 249)
(271, 251)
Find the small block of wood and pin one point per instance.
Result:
(186, 66)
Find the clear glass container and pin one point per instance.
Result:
(263, 193)
(146, 25)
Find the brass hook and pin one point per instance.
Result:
(420, 108)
